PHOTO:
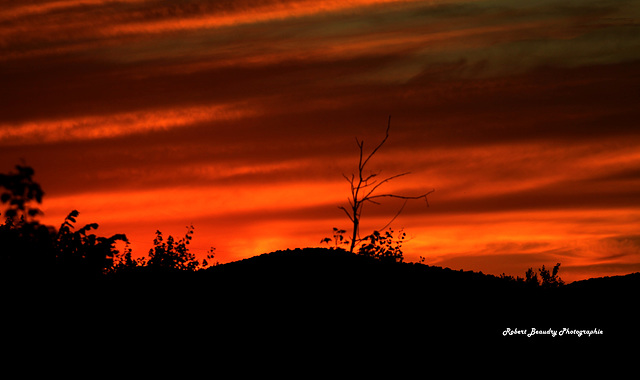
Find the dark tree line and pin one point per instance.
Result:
(546, 279)
(28, 246)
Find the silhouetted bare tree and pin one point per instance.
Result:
(364, 187)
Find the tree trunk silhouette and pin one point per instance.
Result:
(363, 189)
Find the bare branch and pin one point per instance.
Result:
(427, 199)
(382, 182)
(369, 177)
(346, 212)
(361, 146)
(401, 196)
(395, 216)
(379, 145)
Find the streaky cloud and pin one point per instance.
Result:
(115, 125)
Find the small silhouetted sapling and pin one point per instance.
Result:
(363, 187)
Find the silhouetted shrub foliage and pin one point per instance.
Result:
(384, 246)
(29, 246)
(172, 254)
(546, 280)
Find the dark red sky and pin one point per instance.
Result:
(241, 116)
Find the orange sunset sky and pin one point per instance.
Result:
(240, 117)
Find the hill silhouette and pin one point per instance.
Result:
(446, 302)
(315, 294)
(322, 307)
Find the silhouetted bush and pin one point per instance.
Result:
(550, 280)
(531, 278)
(27, 246)
(172, 254)
(338, 238)
(546, 280)
(383, 246)
(81, 252)
(20, 192)
(124, 261)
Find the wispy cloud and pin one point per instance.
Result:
(247, 14)
(117, 125)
